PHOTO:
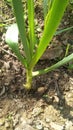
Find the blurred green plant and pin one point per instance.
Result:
(47, 4)
(8, 2)
(31, 53)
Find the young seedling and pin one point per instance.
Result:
(31, 53)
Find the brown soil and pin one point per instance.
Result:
(49, 105)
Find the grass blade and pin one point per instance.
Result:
(50, 3)
(11, 39)
(63, 30)
(53, 20)
(45, 7)
(55, 66)
(18, 10)
(30, 4)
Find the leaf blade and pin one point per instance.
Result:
(11, 39)
(55, 66)
(53, 20)
(18, 10)
(30, 4)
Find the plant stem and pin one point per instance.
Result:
(67, 49)
(28, 84)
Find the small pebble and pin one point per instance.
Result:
(39, 126)
(65, 75)
(15, 122)
(22, 120)
(17, 128)
(46, 128)
(56, 126)
(1, 122)
(24, 127)
(7, 125)
(30, 121)
(69, 95)
(37, 111)
(47, 120)
(68, 125)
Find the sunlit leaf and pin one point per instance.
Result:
(19, 14)
(12, 34)
(12, 40)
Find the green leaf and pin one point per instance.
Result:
(53, 20)
(2, 24)
(45, 7)
(55, 66)
(19, 14)
(30, 4)
(8, 2)
(63, 30)
(70, 67)
(12, 34)
(12, 40)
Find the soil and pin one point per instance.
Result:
(49, 105)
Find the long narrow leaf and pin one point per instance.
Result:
(18, 10)
(12, 40)
(55, 66)
(63, 30)
(54, 18)
(30, 4)
(45, 7)
(50, 3)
